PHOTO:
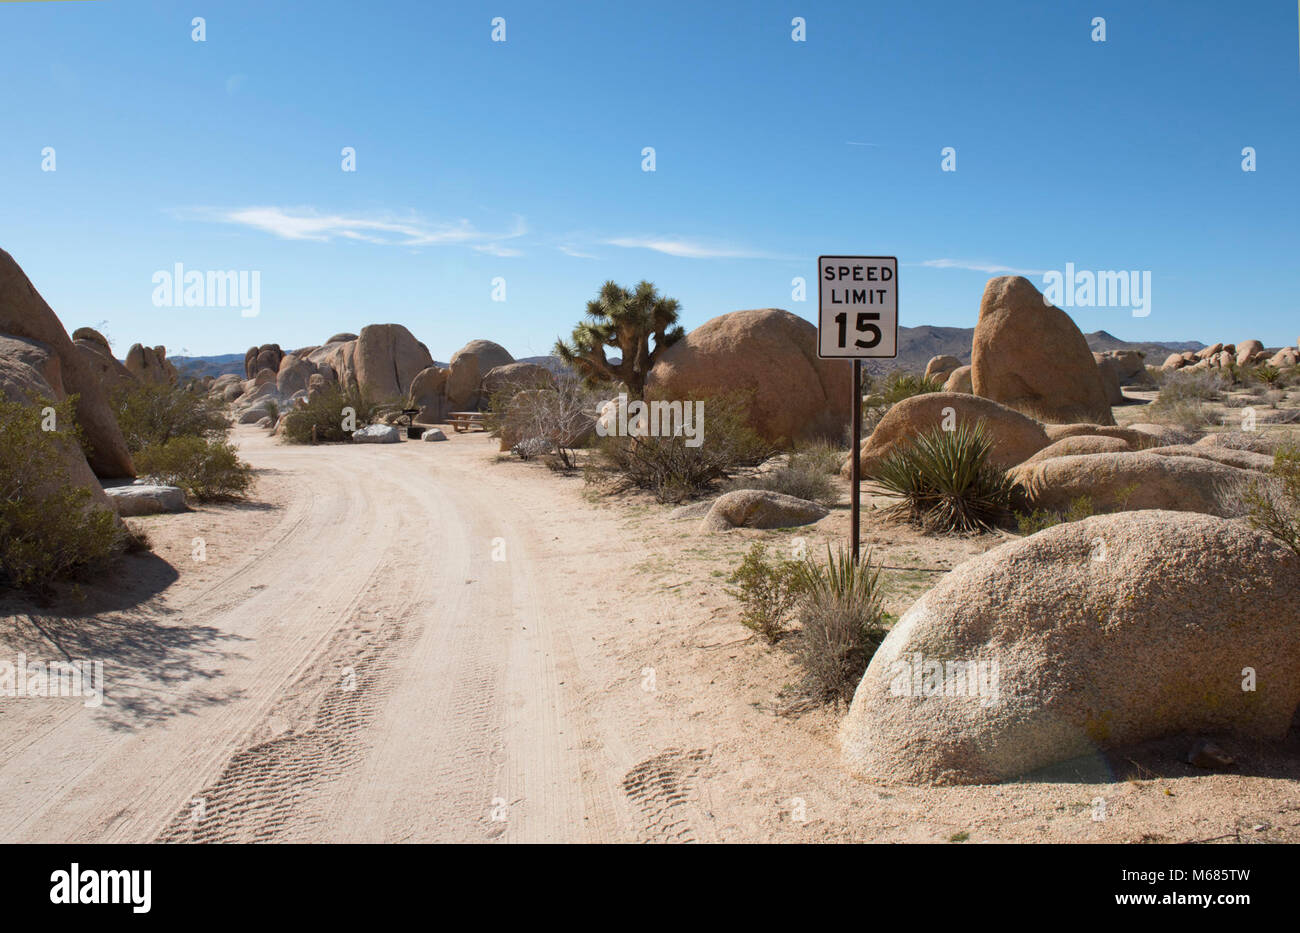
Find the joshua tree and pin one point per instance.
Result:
(625, 320)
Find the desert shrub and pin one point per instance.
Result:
(1028, 523)
(818, 457)
(1189, 414)
(802, 483)
(946, 482)
(1184, 397)
(767, 590)
(1204, 385)
(885, 394)
(151, 414)
(327, 411)
(674, 471)
(1276, 509)
(899, 385)
(206, 469)
(550, 423)
(48, 528)
(842, 621)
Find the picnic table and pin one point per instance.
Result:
(463, 421)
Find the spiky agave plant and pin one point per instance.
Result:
(946, 482)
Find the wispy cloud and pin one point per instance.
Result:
(382, 229)
(576, 253)
(849, 142)
(690, 249)
(975, 266)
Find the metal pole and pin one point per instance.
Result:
(855, 494)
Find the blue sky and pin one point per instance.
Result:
(523, 159)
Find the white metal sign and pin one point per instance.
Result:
(858, 307)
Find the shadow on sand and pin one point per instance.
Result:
(153, 668)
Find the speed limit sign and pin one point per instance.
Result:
(858, 307)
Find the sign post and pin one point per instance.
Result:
(857, 319)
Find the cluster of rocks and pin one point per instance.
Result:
(385, 364)
(1141, 466)
(766, 357)
(1044, 401)
(1226, 355)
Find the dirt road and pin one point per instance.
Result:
(388, 658)
(425, 642)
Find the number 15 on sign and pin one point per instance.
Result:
(858, 307)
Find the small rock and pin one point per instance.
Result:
(433, 434)
(143, 499)
(760, 508)
(1205, 754)
(377, 434)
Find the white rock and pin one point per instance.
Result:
(377, 434)
(144, 499)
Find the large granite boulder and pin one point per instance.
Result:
(770, 356)
(25, 314)
(1029, 355)
(1084, 638)
(465, 374)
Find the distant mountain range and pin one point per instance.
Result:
(916, 346)
(196, 367)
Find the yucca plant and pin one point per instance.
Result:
(1267, 374)
(946, 482)
(842, 620)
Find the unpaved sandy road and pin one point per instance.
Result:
(350, 663)
(380, 677)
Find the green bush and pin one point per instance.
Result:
(887, 393)
(324, 411)
(49, 529)
(673, 471)
(842, 621)
(206, 469)
(1035, 521)
(151, 414)
(900, 385)
(1277, 510)
(946, 482)
(767, 591)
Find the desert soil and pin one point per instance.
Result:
(429, 642)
